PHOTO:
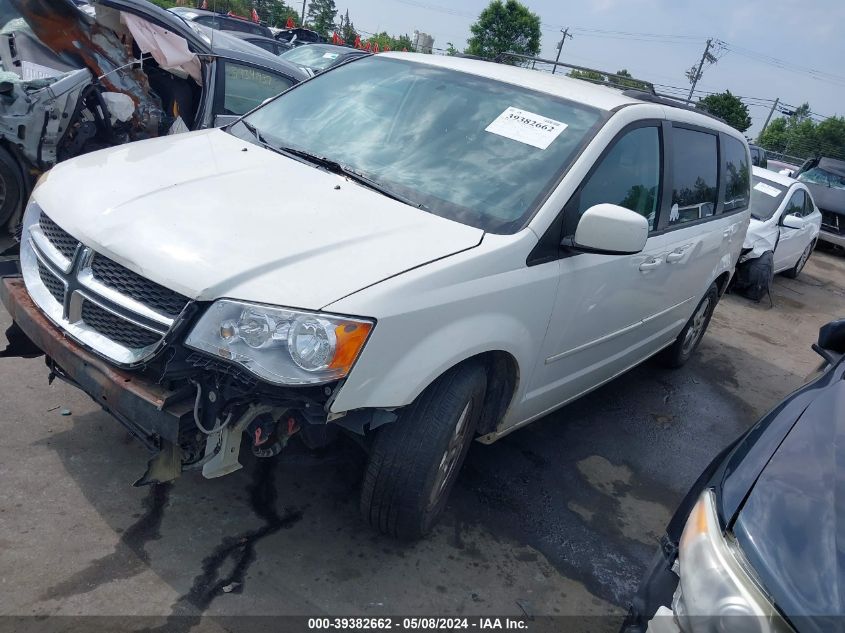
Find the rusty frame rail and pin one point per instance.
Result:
(149, 411)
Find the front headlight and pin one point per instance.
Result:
(716, 594)
(280, 345)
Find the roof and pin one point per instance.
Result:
(227, 45)
(560, 85)
(334, 48)
(243, 35)
(773, 176)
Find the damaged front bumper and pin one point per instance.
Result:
(165, 414)
(150, 412)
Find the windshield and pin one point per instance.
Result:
(471, 149)
(819, 176)
(313, 57)
(766, 197)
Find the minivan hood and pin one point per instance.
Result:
(209, 216)
(792, 525)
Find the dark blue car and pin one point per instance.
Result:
(756, 545)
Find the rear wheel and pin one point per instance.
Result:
(681, 350)
(793, 272)
(415, 461)
(11, 187)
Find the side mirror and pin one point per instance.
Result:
(792, 222)
(831, 340)
(610, 230)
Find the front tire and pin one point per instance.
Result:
(415, 461)
(682, 349)
(11, 188)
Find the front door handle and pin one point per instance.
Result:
(677, 255)
(651, 264)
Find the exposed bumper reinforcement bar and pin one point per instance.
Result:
(150, 412)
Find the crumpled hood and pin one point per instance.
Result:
(760, 237)
(792, 526)
(210, 216)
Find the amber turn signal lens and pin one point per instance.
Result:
(350, 340)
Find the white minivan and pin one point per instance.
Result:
(421, 250)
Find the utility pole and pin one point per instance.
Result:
(302, 21)
(566, 34)
(697, 75)
(769, 118)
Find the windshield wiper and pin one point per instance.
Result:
(254, 131)
(340, 169)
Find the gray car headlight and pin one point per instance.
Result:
(716, 593)
(280, 345)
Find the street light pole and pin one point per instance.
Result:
(302, 21)
(566, 34)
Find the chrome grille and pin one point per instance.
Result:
(59, 238)
(117, 328)
(124, 281)
(96, 301)
(53, 284)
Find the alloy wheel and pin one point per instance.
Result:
(451, 456)
(696, 329)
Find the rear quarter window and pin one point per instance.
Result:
(737, 174)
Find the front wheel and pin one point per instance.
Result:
(11, 188)
(793, 272)
(681, 350)
(415, 461)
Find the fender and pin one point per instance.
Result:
(428, 358)
(432, 318)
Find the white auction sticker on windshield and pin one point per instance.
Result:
(526, 127)
(330, 55)
(767, 189)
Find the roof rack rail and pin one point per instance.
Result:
(613, 80)
(671, 101)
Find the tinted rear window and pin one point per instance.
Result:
(696, 174)
(737, 172)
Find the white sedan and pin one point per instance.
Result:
(784, 228)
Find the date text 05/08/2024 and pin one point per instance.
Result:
(418, 624)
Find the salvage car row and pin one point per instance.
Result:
(536, 237)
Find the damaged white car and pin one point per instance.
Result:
(461, 248)
(73, 83)
(784, 229)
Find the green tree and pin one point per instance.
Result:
(347, 30)
(321, 16)
(505, 27)
(588, 75)
(451, 50)
(628, 81)
(830, 137)
(728, 107)
(797, 135)
(278, 14)
(393, 42)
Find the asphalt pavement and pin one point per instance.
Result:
(558, 518)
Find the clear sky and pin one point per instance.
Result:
(657, 40)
